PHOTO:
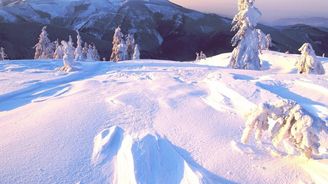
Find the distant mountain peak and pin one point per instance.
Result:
(311, 21)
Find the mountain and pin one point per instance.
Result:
(163, 29)
(311, 21)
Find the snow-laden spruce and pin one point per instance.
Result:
(59, 53)
(308, 62)
(78, 50)
(247, 39)
(268, 39)
(200, 56)
(264, 40)
(293, 125)
(119, 47)
(136, 53)
(44, 48)
(68, 58)
(130, 46)
(3, 55)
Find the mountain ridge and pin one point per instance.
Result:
(164, 30)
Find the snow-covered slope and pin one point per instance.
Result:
(150, 121)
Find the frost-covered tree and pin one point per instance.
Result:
(197, 56)
(95, 53)
(68, 58)
(293, 125)
(202, 55)
(262, 40)
(118, 46)
(122, 51)
(268, 41)
(308, 62)
(59, 52)
(70, 42)
(90, 53)
(136, 53)
(85, 51)
(130, 46)
(44, 49)
(3, 55)
(78, 50)
(246, 41)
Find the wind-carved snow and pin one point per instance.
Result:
(54, 124)
(223, 98)
(145, 159)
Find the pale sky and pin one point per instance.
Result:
(271, 9)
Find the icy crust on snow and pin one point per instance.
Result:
(143, 159)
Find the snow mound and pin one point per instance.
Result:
(125, 158)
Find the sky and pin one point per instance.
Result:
(271, 9)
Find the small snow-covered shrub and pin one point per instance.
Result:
(308, 62)
(292, 125)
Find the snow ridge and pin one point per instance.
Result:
(141, 159)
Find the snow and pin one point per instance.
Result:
(150, 121)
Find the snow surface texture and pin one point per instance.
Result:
(142, 159)
(78, 127)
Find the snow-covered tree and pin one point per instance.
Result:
(197, 56)
(262, 40)
(68, 59)
(78, 50)
(293, 125)
(202, 55)
(59, 53)
(118, 46)
(44, 49)
(130, 46)
(246, 53)
(3, 55)
(308, 62)
(95, 53)
(122, 51)
(268, 41)
(70, 42)
(85, 51)
(90, 54)
(136, 53)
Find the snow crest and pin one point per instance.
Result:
(126, 158)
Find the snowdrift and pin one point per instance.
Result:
(146, 159)
(169, 122)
